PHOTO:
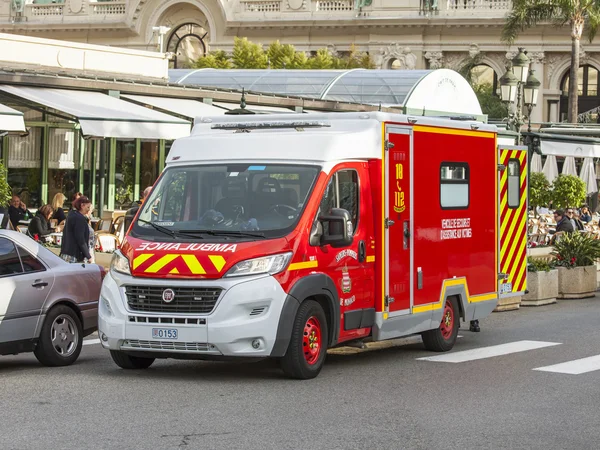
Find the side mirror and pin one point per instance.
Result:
(339, 233)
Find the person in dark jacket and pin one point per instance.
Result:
(76, 234)
(563, 223)
(40, 224)
(130, 214)
(16, 211)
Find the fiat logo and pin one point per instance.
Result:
(168, 295)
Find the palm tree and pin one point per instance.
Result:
(578, 14)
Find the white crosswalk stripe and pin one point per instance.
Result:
(575, 367)
(91, 341)
(489, 352)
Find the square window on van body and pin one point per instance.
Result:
(454, 185)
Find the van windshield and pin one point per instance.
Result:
(239, 201)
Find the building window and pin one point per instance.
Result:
(454, 185)
(149, 164)
(24, 166)
(514, 183)
(587, 88)
(124, 174)
(63, 163)
(187, 44)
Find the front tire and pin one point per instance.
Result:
(61, 338)
(306, 353)
(125, 361)
(443, 338)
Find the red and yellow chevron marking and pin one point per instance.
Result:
(175, 263)
(513, 224)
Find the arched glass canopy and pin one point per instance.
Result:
(427, 92)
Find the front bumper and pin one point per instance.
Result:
(243, 323)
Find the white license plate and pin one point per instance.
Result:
(506, 288)
(164, 333)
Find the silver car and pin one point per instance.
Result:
(46, 304)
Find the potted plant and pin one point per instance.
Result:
(576, 255)
(542, 282)
(540, 191)
(567, 191)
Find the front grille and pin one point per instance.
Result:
(187, 300)
(166, 345)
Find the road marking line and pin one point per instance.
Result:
(575, 367)
(91, 341)
(489, 352)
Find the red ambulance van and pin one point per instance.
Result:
(283, 236)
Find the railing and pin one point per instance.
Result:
(110, 8)
(334, 5)
(46, 10)
(262, 6)
(477, 5)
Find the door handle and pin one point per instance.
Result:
(39, 284)
(362, 251)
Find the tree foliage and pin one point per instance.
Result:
(5, 190)
(248, 55)
(568, 191)
(540, 192)
(490, 103)
(215, 60)
(578, 15)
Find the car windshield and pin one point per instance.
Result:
(239, 201)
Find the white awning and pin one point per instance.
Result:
(260, 108)
(565, 148)
(182, 106)
(11, 119)
(101, 115)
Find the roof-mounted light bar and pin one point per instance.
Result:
(298, 124)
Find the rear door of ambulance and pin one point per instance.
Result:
(513, 212)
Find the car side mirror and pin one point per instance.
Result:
(339, 233)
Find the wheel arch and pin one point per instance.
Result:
(65, 302)
(320, 288)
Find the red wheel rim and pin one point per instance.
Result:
(447, 325)
(311, 342)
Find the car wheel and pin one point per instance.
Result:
(125, 361)
(306, 353)
(443, 338)
(61, 338)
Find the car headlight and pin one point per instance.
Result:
(119, 263)
(267, 264)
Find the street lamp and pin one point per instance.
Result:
(519, 76)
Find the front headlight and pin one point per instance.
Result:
(119, 263)
(267, 264)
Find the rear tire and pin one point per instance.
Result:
(125, 361)
(61, 338)
(443, 338)
(306, 353)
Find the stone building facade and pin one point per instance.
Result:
(403, 34)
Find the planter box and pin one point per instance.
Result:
(579, 282)
(542, 288)
(508, 303)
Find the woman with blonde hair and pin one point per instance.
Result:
(57, 204)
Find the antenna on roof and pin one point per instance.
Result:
(242, 109)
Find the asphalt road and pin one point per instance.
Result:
(378, 399)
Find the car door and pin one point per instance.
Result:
(24, 283)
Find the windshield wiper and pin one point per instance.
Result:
(226, 233)
(172, 233)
